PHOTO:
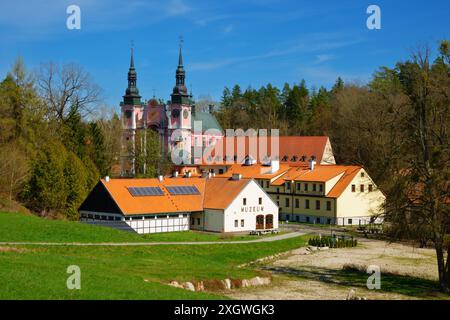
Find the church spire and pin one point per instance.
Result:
(132, 59)
(132, 96)
(180, 94)
(180, 58)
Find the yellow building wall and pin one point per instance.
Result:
(359, 205)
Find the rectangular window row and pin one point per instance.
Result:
(307, 204)
(314, 187)
(362, 188)
(236, 223)
(244, 201)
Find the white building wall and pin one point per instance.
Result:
(328, 156)
(139, 224)
(237, 211)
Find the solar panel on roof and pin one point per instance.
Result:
(182, 190)
(145, 191)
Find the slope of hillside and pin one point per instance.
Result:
(24, 227)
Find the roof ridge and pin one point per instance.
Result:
(346, 173)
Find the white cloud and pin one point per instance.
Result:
(228, 29)
(320, 58)
(177, 7)
(23, 20)
(303, 46)
(203, 22)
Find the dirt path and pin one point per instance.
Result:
(126, 244)
(406, 273)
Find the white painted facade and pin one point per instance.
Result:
(240, 217)
(140, 224)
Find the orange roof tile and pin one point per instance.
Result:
(293, 173)
(256, 171)
(320, 173)
(221, 192)
(130, 205)
(289, 146)
(344, 181)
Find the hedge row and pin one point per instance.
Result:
(332, 242)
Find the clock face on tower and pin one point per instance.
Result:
(185, 114)
(175, 113)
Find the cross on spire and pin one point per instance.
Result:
(180, 56)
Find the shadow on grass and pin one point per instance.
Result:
(393, 283)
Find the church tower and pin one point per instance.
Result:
(132, 119)
(179, 112)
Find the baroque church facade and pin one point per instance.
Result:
(179, 125)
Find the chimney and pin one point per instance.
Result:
(107, 178)
(160, 178)
(274, 166)
(175, 174)
(236, 176)
(312, 164)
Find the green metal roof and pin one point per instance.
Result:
(207, 119)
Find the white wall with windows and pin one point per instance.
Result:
(141, 224)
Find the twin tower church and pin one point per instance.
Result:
(173, 121)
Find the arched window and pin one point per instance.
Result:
(259, 222)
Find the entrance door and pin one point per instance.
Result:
(269, 221)
(259, 222)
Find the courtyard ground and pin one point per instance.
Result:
(406, 273)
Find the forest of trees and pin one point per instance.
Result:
(56, 141)
(396, 126)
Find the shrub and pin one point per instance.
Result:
(332, 242)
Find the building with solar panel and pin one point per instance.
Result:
(181, 203)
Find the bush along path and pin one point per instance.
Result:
(333, 242)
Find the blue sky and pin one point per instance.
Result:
(248, 42)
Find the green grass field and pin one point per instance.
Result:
(17, 227)
(39, 272)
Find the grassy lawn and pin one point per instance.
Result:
(17, 227)
(39, 272)
(119, 272)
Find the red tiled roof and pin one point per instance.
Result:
(289, 146)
